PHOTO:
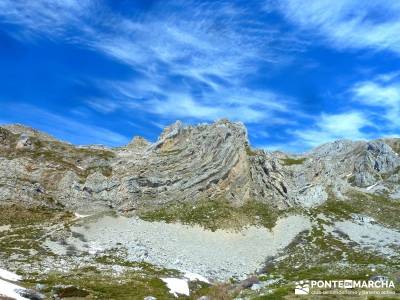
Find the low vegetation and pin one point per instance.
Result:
(289, 161)
(110, 276)
(214, 214)
(23, 229)
(250, 152)
(101, 284)
(383, 209)
(17, 215)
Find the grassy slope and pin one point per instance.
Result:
(214, 214)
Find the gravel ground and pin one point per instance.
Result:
(216, 255)
(372, 235)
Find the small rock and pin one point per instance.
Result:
(40, 286)
(150, 298)
(32, 295)
(247, 283)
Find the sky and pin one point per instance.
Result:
(296, 73)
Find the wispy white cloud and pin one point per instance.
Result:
(234, 103)
(63, 127)
(383, 93)
(201, 39)
(51, 18)
(209, 46)
(102, 105)
(348, 23)
(330, 127)
(375, 113)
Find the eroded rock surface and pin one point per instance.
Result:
(189, 164)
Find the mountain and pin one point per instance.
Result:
(125, 222)
(188, 164)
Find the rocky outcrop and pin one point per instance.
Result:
(376, 159)
(187, 164)
(194, 163)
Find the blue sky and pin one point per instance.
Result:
(297, 73)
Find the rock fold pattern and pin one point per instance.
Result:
(188, 164)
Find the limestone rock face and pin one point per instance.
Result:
(377, 158)
(188, 164)
(198, 163)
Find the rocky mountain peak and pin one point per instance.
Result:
(172, 130)
(187, 164)
(138, 142)
(20, 129)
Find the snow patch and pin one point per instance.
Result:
(368, 188)
(5, 228)
(193, 277)
(177, 286)
(7, 275)
(8, 289)
(79, 216)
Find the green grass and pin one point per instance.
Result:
(292, 161)
(381, 208)
(250, 152)
(136, 281)
(23, 216)
(214, 214)
(277, 294)
(317, 253)
(27, 226)
(61, 155)
(103, 285)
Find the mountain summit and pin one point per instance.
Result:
(188, 164)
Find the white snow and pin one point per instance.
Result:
(8, 289)
(7, 275)
(193, 277)
(371, 186)
(79, 216)
(5, 228)
(177, 286)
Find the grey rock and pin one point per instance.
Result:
(188, 164)
(40, 286)
(30, 294)
(377, 158)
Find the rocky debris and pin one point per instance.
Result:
(310, 196)
(217, 255)
(187, 164)
(31, 295)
